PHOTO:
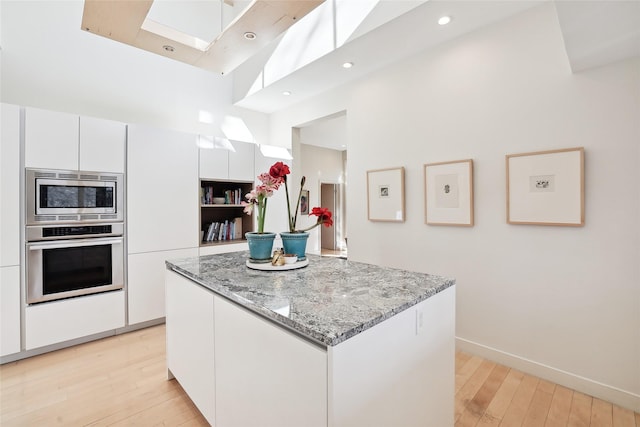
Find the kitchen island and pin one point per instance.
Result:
(337, 343)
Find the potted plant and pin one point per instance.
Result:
(261, 242)
(294, 241)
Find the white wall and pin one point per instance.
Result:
(561, 302)
(319, 165)
(49, 62)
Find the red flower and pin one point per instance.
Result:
(279, 170)
(324, 216)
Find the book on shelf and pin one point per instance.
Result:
(223, 230)
(237, 231)
(231, 196)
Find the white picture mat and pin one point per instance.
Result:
(440, 209)
(391, 206)
(562, 205)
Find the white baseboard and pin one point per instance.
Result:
(602, 391)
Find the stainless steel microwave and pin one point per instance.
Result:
(57, 196)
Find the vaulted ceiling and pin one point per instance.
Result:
(595, 32)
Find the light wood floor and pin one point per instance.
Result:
(121, 381)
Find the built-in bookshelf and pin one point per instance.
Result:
(222, 219)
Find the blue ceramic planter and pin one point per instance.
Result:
(260, 245)
(295, 243)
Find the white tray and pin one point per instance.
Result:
(268, 267)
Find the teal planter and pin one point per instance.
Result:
(295, 243)
(260, 245)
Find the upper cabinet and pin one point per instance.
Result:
(241, 162)
(9, 185)
(214, 163)
(102, 145)
(55, 140)
(223, 164)
(51, 139)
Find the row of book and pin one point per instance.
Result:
(221, 231)
(231, 197)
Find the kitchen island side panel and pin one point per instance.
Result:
(264, 374)
(398, 373)
(190, 341)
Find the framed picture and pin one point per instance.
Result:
(304, 202)
(448, 194)
(546, 187)
(385, 195)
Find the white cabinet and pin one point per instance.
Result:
(162, 190)
(9, 310)
(162, 213)
(59, 321)
(51, 139)
(263, 372)
(190, 338)
(10, 230)
(102, 145)
(223, 164)
(239, 369)
(214, 163)
(56, 140)
(10, 185)
(242, 161)
(146, 291)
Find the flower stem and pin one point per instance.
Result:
(292, 225)
(262, 211)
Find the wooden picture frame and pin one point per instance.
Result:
(385, 195)
(448, 193)
(304, 202)
(546, 187)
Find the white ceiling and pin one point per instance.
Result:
(595, 32)
(375, 46)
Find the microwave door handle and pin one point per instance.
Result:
(72, 244)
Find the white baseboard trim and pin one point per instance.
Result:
(593, 388)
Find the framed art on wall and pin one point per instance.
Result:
(304, 202)
(448, 193)
(546, 187)
(385, 195)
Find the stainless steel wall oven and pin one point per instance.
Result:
(71, 249)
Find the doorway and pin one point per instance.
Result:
(329, 194)
(331, 238)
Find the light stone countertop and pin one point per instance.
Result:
(329, 301)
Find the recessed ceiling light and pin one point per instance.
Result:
(168, 48)
(286, 93)
(250, 35)
(347, 65)
(444, 20)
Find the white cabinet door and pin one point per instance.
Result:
(102, 145)
(10, 185)
(9, 310)
(214, 163)
(163, 190)
(242, 162)
(258, 365)
(51, 139)
(59, 321)
(145, 284)
(190, 345)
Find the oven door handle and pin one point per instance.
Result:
(72, 243)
